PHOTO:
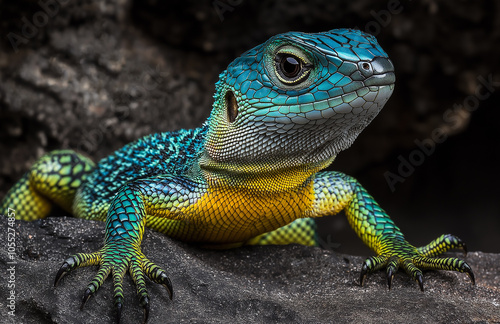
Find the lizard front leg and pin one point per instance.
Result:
(125, 222)
(336, 191)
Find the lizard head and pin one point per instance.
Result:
(296, 101)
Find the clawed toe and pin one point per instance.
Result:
(159, 276)
(114, 259)
(420, 280)
(63, 270)
(86, 296)
(119, 308)
(442, 244)
(165, 282)
(468, 270)
(392, 268)
(76, 261)
(414, 268)
(363, 274)
(414, 260)
(145, 305)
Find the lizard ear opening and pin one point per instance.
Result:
(231, 106)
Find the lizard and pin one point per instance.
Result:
(251, 174)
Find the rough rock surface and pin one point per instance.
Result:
(100, 74)
(272, 284)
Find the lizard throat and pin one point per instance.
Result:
(263, 177)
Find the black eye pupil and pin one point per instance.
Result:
(291, 69)
(290, 66)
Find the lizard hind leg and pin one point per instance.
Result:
(300, 231)
(53, 179)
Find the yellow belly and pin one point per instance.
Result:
(225, 215)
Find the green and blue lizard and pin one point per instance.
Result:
(250, 175)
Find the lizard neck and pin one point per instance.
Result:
(259, 177)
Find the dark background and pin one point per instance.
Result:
(96, 75)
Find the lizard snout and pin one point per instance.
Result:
(378, 72)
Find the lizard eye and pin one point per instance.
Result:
(291, 69)
(290, 66)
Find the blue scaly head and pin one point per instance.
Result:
(298, 99)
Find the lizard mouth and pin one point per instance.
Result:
(388, 78)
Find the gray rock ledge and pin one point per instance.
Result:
(268, 284)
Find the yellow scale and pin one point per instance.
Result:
(233, 213)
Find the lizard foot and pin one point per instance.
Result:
(397, 252)
(116, 258)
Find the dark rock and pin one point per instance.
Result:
(100, 74)
(267, 284)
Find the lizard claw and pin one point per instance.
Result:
(165, 282)
(119, 307)
(158, 275)
(399, 253)
(145, 305)
(470, 274)
(390, 277)
(370, 265)
(117, 258)
(464, 248)
(392, 268)
(363, 274)
(63, 270)
(76, 261)
(86, 296)
(420, 280)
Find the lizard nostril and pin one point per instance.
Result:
(231, 106)
(365, 66)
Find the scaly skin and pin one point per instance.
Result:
(249, 175)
